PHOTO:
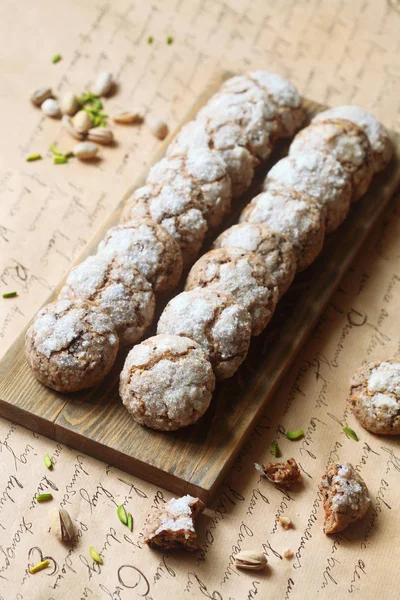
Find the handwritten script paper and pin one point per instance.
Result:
(336, 52)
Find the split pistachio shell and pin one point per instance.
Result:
(104, 83)
(39, 96)
(101, 135)
(157, 127)
(61, 525)
(69, 103)
(51, 108)
(250, 559)
(67, 123)
(127, 117)
(85, 150)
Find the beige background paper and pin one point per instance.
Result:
(335, 52)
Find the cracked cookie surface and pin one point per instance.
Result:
(117, 287)
(296, 215)
(272, 247)
(244, 275)
(375, 397)
(345, 497)
(321, 177)
(167, 382)
(150, 247)
(71, 345)
(382, 147)
(346, 142)
(228, 140)
(220, 325)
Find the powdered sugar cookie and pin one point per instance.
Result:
(216, 321)
(244, 275)
(167, 382)
(345, 497)
(71, 345)
(375, 397)
(321, 177)
(272, 247)
(297, 216)
(382, 147)
(228, 139)
(346, 142)
(206, 179)
(252, 111)
(150, 247)
(171, 525)
(280, 91)
(117, 287)
(176, 209)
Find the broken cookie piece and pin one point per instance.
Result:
(282, 473)
(172, 525)
(345, 497)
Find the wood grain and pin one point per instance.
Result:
(196, 459)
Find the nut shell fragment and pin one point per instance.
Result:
(250, 559)
(40, 95)
(61, 525)
(157, 127)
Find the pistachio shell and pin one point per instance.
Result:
(51, 108)
(126, 117)
(69, 103)
(82, 122)
(101, 135)
(157, 127)
(250, 559)
(104, 83)
(85, 150)
(67, 123)
(39, 96)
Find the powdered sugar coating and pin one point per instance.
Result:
(220, 325)
(296, 215)
(228, 140)
(150, 247)
(345, 497)
(375, 397)
(378, 136)
(280, 91)
(320, 176)
(272, 247)
(205, 175)
(244, 275)
(346, 142)
(171, 525)
(117, 287)
(71, 345)
(176, 208)
(252, 111)
(167, 382)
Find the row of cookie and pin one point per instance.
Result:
(164, 227)
(231, 291)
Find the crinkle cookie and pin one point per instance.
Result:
(228, 140)
(176, 209)
(378, 136)
(297, 216)
(71, 345)
(205, 175)
(244, 275)
(375, 397)
(216, 321)
(321, 177)
(150, 247)
(250, 109)
(281, 92)
(171, 525)
(117, 287)
(346, 142)
(167, 382)
(345, 497)
(272, 247)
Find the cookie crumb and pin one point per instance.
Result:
(282, 473)
(285, 522)
(171, 526)
(288, 554)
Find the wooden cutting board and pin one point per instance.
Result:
(196, 459)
